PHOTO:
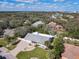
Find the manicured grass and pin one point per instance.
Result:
(11, 47)
(3, 42)
(38, 52)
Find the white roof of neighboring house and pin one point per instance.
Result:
(52, 24)
(37, 23)
(57, 15)
(9, 32)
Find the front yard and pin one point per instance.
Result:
(37, 53)
(3, 42)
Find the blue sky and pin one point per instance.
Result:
(39, 5)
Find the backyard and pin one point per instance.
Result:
(37, 53)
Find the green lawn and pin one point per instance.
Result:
(11, 47)
(3, 42)
(38, 52)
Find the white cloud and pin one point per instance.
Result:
(58, 0)
(52, 6)
(12, 5)
(6, 5)
(28, 1)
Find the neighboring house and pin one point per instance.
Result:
(4, 52)
(59, 28)
(9, 32)
(52, 25)
(69, 38)
(27, 22)
(70, 16)
(38, 37)
(36, 24)
(57, 15)
(55, 27)
(71, 52)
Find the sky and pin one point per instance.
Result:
(39, 5)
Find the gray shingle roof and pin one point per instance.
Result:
(36, 38)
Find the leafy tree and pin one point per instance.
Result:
(51, 54)
(3, 24)
(1, 31)
(22, 31)
(10, 39)
(58, 46)
(42, 29)
(47, 43)
(72, 26)
(15, 23)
